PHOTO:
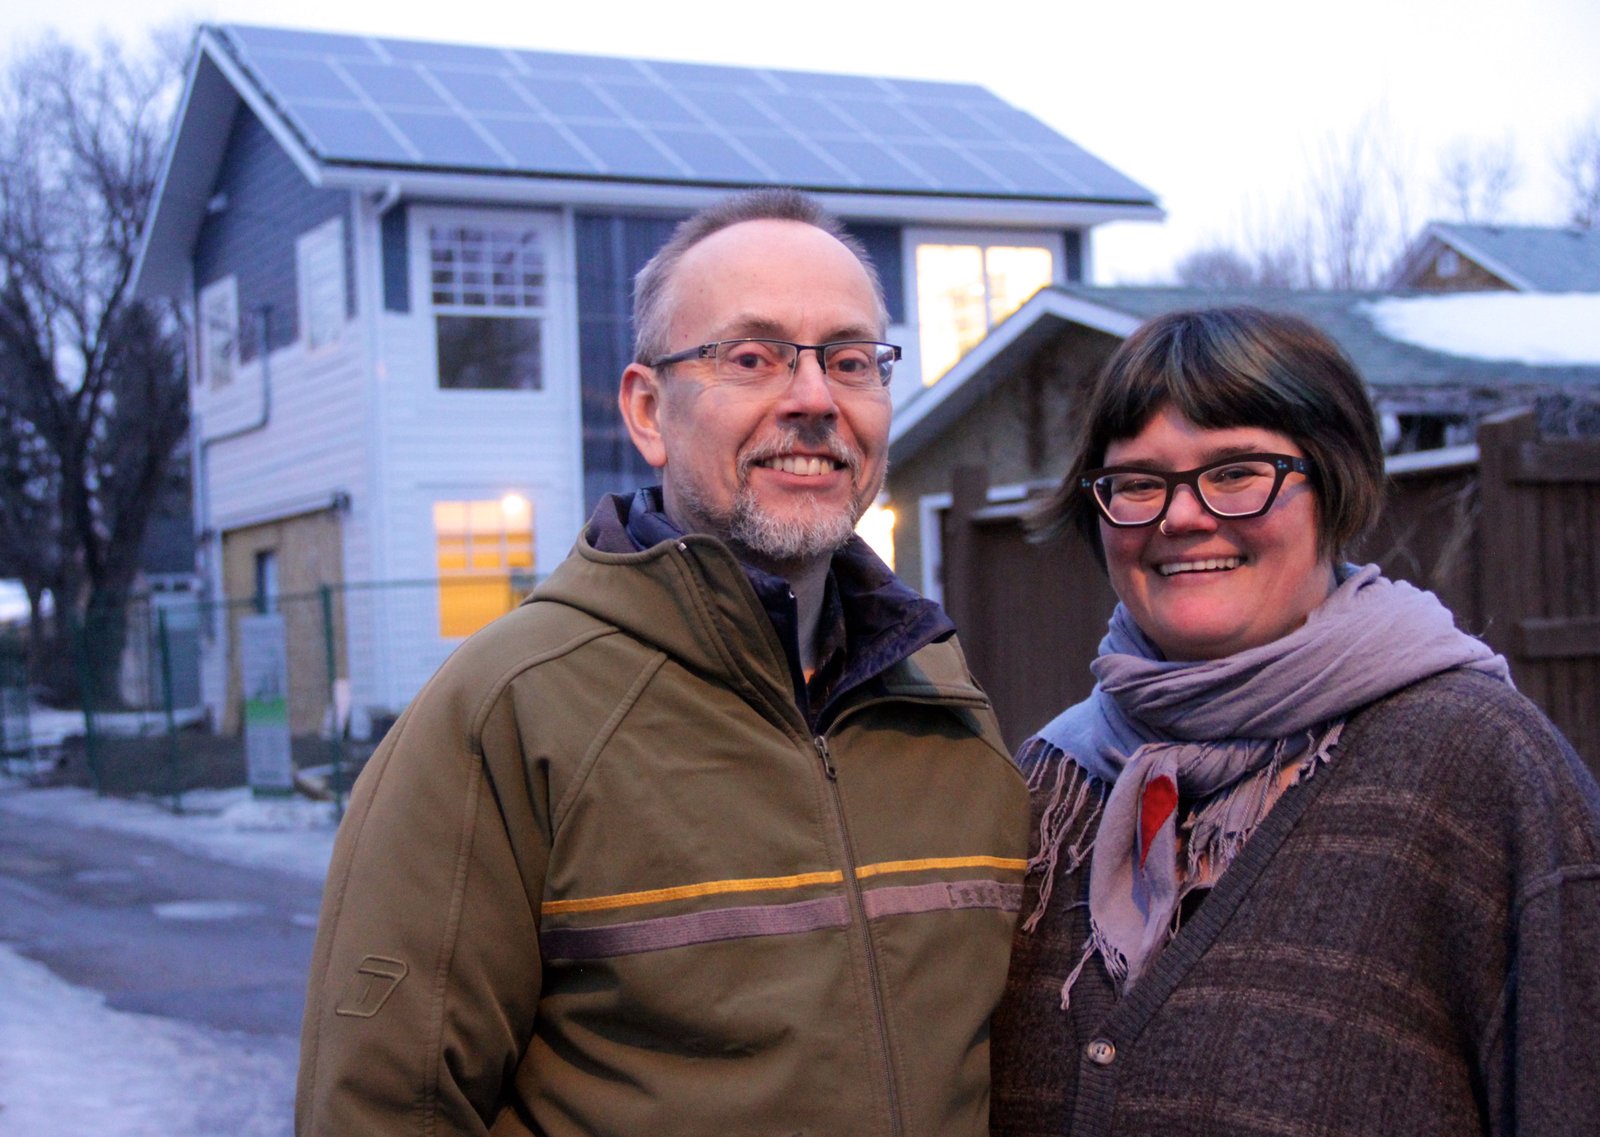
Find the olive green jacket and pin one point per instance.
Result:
(601, 879)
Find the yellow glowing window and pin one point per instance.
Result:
(964, 290)
(484, 552)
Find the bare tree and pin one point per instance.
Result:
(1343, 230)
(92, 385)
(1475, 178)
(1359, 206)
(1579, 168)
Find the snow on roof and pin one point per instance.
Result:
(1540, 329)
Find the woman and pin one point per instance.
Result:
(1307, 863)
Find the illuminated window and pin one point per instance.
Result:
(485, 560)
(876, 528)
(489, 284)
(964, 289)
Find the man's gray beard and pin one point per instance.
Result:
(818, 531)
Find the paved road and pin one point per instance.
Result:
(158, 930)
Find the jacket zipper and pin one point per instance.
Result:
(859, 911)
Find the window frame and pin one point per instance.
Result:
(223, 292)
(1050, 240)
(547, 314)
(322, 301)
(464, 592)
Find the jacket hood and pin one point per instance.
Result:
(690, 596)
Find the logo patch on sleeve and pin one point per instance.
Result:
(370, 987)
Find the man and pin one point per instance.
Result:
(714, 834)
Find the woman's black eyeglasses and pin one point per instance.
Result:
(1244, 485)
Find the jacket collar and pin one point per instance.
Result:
(883, 621)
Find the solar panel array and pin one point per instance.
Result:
(402, 103)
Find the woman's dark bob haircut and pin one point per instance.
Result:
(1232, 367)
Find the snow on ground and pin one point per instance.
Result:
(1548, 329)
(72, 1067)
(290, 834)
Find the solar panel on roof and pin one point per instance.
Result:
(483, 91)
(949, 167)
(729, 110)
(568, 98)
(794, 163)
(295, 79)
(805, 114)
(536, 145)
(624, 150)
(547, 112)
(390, 85)
(429, 54)
(951, 121)
(556, 64)
(649, 104)
(881, 118)
(874, 165)
(711, 156)
(351, 133)
(446, 138)
(705, 76)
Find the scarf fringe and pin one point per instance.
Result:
(1208, 844)
(1062, 812)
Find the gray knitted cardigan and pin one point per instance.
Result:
(1408, 945)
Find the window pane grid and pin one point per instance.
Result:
(484, 267)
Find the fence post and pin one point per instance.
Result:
(1508, 549)
(969, 493)
(164, 647)
(336, 727)
(79, 634)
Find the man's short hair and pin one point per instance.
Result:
(652, 313)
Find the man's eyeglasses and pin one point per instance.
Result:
(1245, 485)
(859, 365)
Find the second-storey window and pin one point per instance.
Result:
(490, 292)
(965, 287)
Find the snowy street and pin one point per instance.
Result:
(153, 965)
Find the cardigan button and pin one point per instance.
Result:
(1101, 1052)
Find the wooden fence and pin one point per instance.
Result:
(1509, 539)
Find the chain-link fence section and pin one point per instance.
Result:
(287, 694)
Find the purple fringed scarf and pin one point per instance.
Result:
(1221, 733)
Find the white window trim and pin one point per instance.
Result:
(320, 284)
(223, 293)
(551, 316)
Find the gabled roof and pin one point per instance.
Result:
(502, 123)
(1371, 327)
(1530, 258)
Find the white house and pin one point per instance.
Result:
(410, 269)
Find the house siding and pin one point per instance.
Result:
(262, 197)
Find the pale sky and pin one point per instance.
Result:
(1219, 107)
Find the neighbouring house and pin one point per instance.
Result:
(1516, 258)
(410, 270)
(1436, 366)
